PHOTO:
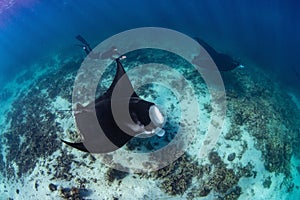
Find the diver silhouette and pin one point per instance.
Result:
(85, 45)
(112, 53)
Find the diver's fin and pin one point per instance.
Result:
(80, 45)
(82, 40)
(126, 84)
(86, 44)
(78, 146)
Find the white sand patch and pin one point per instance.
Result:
(253, 187)
(201, 122)
(60, 104)
(64, 118)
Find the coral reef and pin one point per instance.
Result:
(177, 178)
(233, 134)
(231, 156)
(254, 105)
(268, 114)
(224, 180)
(61, 170)
(33, 131)
(267, 182)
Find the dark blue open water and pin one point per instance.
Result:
(264, 34)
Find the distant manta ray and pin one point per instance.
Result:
(146, 117)
(223, 61)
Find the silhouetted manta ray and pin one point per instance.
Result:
(146, 117)
(223, 61)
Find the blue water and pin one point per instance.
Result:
(265, 33)
(261, 34)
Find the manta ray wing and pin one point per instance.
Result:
(112, 137)
(78, 146)
(224, 62)
(126, 84)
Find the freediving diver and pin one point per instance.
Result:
(112, 53)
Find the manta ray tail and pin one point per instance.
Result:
(78, 146)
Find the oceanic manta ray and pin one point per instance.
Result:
(223, 61)
(145, 117)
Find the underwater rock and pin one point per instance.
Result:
(113, 174)
(206, 168)
(214, 158)
(244, 148)
(83, 181)
(233, 134)
(73, 193)
(36, 185)
(233, 193)
(231, 157)
(208, 107)
(247, 171)
(267, 182)
(204, 191)
(52, 187)
(92, 158)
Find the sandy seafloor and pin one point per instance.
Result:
(256, 156)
